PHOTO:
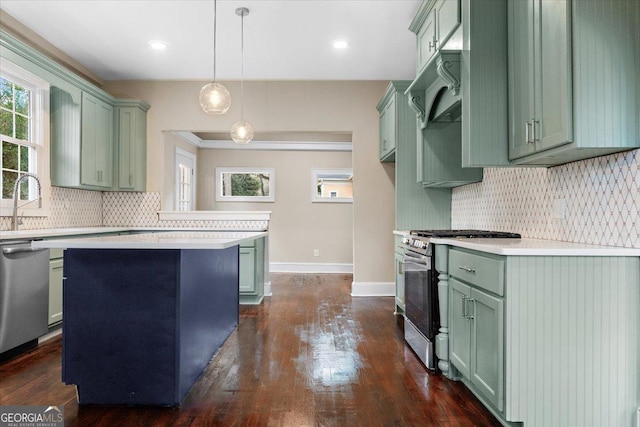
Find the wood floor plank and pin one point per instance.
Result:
(311, 355)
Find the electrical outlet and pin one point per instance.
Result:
(316, 252)
(559, 208)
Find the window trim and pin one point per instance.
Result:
(314, 185)
(40, 140)
(259, 199)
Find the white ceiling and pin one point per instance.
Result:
(284, 40)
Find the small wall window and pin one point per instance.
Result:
(245, 184)
(332, 185)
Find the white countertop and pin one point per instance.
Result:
(537, 247)
(164, 240)
(58, 232)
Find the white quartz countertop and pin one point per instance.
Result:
(539, 247)
(58, 232)
(163, 240)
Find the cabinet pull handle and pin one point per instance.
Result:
(529, 131)
(464, 306)
(467, 269)
(400, 267)
(472, 303)
(536, 136)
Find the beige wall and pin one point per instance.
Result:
(297, 226)
(290, 106)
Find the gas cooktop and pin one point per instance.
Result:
(466, 234)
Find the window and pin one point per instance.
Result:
(185, 180)
(22, 115)
(332, 185)
(245, 184)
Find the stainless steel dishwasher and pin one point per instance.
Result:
(24, 293)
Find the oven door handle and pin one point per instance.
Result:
(422, 265)
(416, 257)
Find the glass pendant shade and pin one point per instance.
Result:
(242, 132)
(215, 98)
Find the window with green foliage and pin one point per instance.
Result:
(18, 148)
(245, 184)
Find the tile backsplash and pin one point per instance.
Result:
(601, 197)
(67, 208)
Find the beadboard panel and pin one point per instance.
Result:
(606, 66)
(572, 341)
(483, 70)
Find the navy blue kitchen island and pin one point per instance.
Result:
(144, 314)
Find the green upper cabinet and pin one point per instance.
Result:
(396, 120)
(433, 24)
(388, 131)
(131, 146)
(96, 142)
(89, 149)
(573, 79)
(540, 81)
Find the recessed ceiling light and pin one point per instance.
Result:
(340, 44)
(157, 45)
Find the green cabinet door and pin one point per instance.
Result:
(388, 131)
(460, 327)
(55, 290)
(433, 24)
(539, 75)
(131, 148)
(426, 40)
(521, 80)
(552, 50)
(399, 268)
(96, 142)
(247, 271)
(487, 345)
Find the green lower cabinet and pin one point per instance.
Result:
(247, 271)
(537, 338)
(399, 268)
(486, 314)
(55, 286)
(477, 325)
(251, 287)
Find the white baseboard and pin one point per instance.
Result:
(267, 289)
(373, 289)
(299, 267)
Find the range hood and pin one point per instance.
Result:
(435, 93)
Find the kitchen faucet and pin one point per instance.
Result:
(14, 224)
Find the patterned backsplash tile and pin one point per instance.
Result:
(601, 198)
(601, 195)
(141, 210)
(68, 208)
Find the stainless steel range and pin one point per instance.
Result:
(422, 315)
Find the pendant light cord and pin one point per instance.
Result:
(215, 18)
(242, 66)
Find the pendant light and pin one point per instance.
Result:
(214, 97)
(242, 131)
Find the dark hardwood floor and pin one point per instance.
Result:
(311, 355)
